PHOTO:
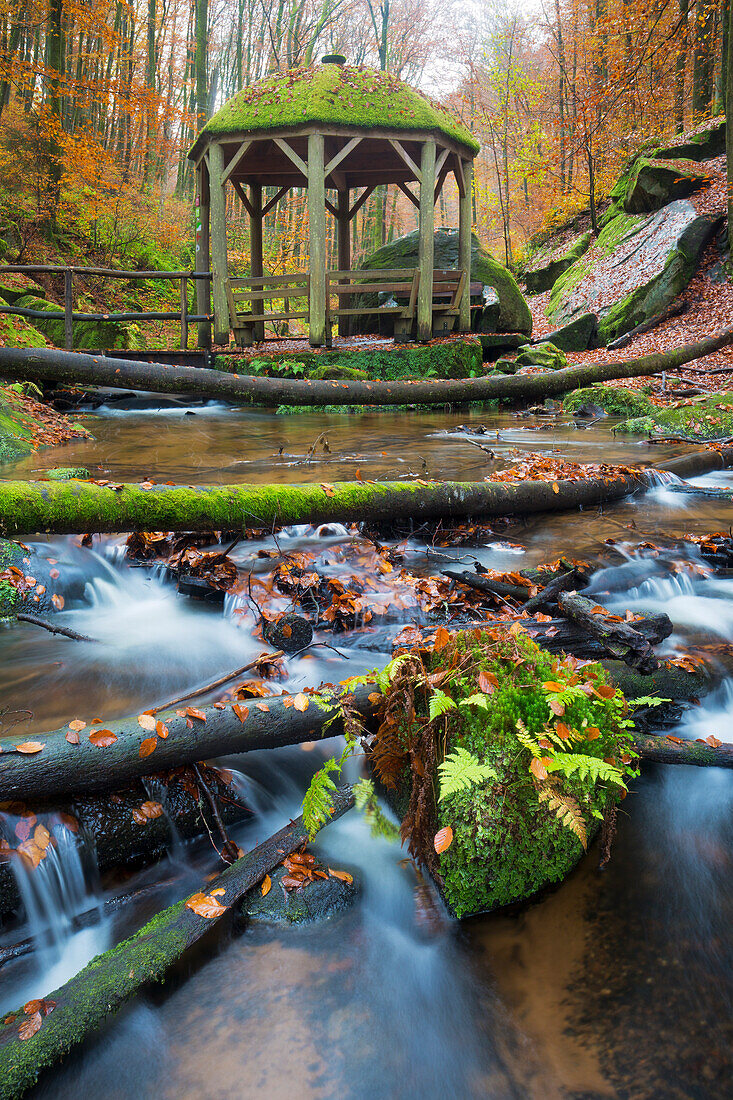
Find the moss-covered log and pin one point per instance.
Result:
(76, 506)
(50, 365)
(62, 768)
(665, 750)
(79, 1007)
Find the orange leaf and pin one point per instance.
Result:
(205, 906)
(77, 725)
(147, 746)
(327, 488)
(30, 1026)
(552, 686)
(443, 839)
(342, 876)
(562, 730)
(72, 737)
(240, 711)
(29, 747)
(161, 729)
(151, 810)
(102, 738)
(58, 602)
(539, 767)
(555, 487)
(262, 706)
(266, 886)
(218, 893)
(605, 691)
(196, 713)
(301, 702)
(374, 697)
(487, 682)
(591, 733)
(713, 741)
(442, 637)
(146, 721)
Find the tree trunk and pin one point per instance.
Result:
(50, 365)
(729, 125)
(664, 750)
(88, 999)
(703, 59)
(75, 507)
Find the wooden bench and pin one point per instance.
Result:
(402, 282)
(447, 293)
(248, 323)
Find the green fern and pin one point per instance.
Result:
(317, 802)
(478, 700)
(528, 742)
(460, 771)
(585, 767)
(567, 810)
(439, 704)
(365, 799)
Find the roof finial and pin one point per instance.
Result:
(333, 59)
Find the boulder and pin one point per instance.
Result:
(636, 268)
(577, 335)
(316, 901)
(653, 184)
(706, 144)
(514, 314)
(544, 355)
(54, 581)
(543, 275)
(612, 400)
(496, 343)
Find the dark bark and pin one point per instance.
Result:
(64, 631)
(664, 751)
(61, 768)
(547, 597)
(487, 584)
(98, 991)
(74, 507)
(621, 640)
(50, 365)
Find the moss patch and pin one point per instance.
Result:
(18, 332)
(67, 473)
(653, 184)
(344, 96)
(696, 421)
(615, 400)
(121, 335)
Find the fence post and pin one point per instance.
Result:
(68, 309)
(184, 312)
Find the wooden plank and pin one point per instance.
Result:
(361, 200)
(343, 238)
(255, 247)
(405, 156)
(243, 197)
(236, 159)
(218, 245)
(371, 288)
(357, 312)
(268, 294)
(269, 316)
(426, 242)
(336, 160)
(69, 309)
(317, 334)
(406, 191)
(270, 280)
(458, 171)
(184, 312)
(374, 273)
(331, 209)
(293, 156)
(465, 216)
(440, 162)
(275, 199)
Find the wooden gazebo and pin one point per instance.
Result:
(341, 128)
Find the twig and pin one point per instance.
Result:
(229, 851)
(222, 680)
(34, 620)
(311, 452)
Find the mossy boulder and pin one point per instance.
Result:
(513, 315)
(67, 473)
(711, 418)
(614, 400)
(635, 269)
(707, 143)
(120, 335)
(316, 901)
(18, 332)
(339, 371)
(653, 184)
(16, 434)
(548, 757)
(542, 355)
(542, 272)
(15, 285)
(578, 335)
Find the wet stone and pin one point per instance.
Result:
(318, 900)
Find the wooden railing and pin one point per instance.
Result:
(252, 293)
(69, 314)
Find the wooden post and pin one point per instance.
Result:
(255, 251)
(465, 210)
(344, 250)
(69, 309)
(426, 242)
(317, 334)
(203, 253)
(218, 244)
(184, 312)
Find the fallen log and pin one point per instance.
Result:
(619, 639)
(51, 365)
(547, 596)
(487, 584)
(564, 636)
(30, 1041)
(63, 768)
(75, 507)
(666, 750)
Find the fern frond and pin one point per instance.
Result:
(460, 771)
(567, 810)
(528, 742)
(317, 802)
(478, 700)
(585, 767)
(440, 703)
(365, 799)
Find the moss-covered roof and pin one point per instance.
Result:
(346, 95)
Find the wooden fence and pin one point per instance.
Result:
(69, 315)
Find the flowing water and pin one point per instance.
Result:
(615, 985)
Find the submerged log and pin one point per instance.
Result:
(32, 1040)
(69, 507)
(62, 768)
(620, 640)
(50, 365)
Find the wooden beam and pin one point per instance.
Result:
(440, 181)
(202, 255)
(255, 250)
(218, 244)
(344, 248)
(426, 242)
(331, 208)
(361, 200)
(275, 199)
(445, 153)
(465, 208)
(243, 196)
(232, 165)
(458, 170)
(405, 156)
(406, 191)
(317, 334)
(290, 152)
(336, 160)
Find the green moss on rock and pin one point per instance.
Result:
(542, 276)
(653, 184)
(120, 335)
(348, 95)
(615, 400)
(67, 473)
(542, 355)
(696, 421)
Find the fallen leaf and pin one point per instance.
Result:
(342, 876)
(146, 721)
(161, 729)
(58, 602)
(77, 725)
(30, 1026)
(205, 906)
(147, 746)
(218, 893)
(240, 711)
(442, 839)
(72, 737)
(301, 702)
(151, 810)
(102, 738)
(29, 747)
(487, 682)
(196, 713)
(539, 767)
(442, 637)
(555, 487)
(328, 489)
(713, 741)
(266, 886)
(262, 706)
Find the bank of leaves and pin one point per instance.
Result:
(518, 753)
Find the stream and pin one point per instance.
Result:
(618, 984)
